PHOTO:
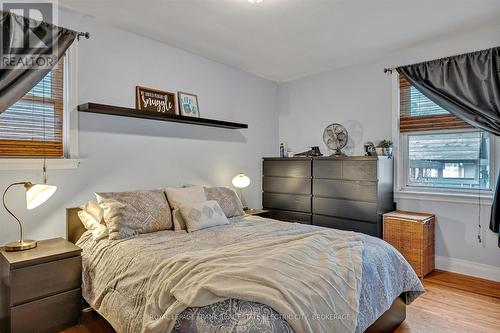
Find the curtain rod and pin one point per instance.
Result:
(391, 69)
(82, 34)
(79, 34)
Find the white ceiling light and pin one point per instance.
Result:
(255, 1)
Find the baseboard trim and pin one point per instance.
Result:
(470, 268)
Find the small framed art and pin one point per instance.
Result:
(188, 105)
(154, 100)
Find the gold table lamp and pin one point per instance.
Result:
(36, 194)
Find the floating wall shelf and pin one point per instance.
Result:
(134, 113)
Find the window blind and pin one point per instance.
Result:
(33, 127)
(418, 113)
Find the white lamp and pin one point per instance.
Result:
(36, 194)
(241, 181)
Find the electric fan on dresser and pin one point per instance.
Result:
(335, 138)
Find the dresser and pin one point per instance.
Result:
(286, 185)
(40, 288)
(348, 193)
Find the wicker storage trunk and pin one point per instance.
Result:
(413, 235)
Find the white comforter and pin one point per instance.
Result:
(311, 279)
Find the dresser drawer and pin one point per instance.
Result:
(287, 168)
(359, 170)
(47, 315)
(38, 281)
(287, 185)
(298, 203)
(358, 210)
(371, 229)
(345, 189)
(288, 216)
(327, 169)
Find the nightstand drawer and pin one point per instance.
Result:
(34, 282)
(283, 215)
(49, 314)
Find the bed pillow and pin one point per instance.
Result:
(178, 196)
(201, 215)
(227, 199)
(98, 230)
(132, 213)
(92, 207)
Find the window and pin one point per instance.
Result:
(33, 127)
(440, 150)
(452, 160)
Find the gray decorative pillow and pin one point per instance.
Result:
(227, 199)
(201, 215)
(132, 213)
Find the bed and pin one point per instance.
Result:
(116, 274)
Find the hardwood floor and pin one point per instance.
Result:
(453, 303)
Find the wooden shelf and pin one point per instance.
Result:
(134, 113)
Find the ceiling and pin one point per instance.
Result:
(283, 40)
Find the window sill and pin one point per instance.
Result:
(442, 196)
(37, 163)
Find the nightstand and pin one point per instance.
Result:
(256, 211)
(40, 288)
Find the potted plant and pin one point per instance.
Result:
(385, 148)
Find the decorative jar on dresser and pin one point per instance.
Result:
(40, 288)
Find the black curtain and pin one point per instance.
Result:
(23, 63)
(468, 86)
(495, 210)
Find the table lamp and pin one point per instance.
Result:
(241, 181)
(36, 194)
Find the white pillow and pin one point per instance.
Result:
(98, 230)
(201, 215)
(178, 196)
(93, 208)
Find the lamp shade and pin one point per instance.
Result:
(37, 194)
(241, 181)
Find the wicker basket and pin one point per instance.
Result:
(413, 235)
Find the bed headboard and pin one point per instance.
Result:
(74, 227)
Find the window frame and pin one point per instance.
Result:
(70, 159)
(404, 152)
(401, 162)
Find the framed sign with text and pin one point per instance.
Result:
(153, 100)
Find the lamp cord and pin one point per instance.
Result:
(21, 231)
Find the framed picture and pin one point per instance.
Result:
(188, 105)
(153, 100)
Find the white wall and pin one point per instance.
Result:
(125, 154)
(360, 97)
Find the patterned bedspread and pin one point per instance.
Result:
(116, 273)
